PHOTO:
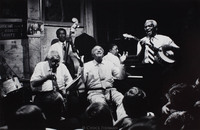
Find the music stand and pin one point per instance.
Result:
(73, 85)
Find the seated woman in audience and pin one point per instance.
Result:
(136, 106)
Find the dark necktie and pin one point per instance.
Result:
(64, 51)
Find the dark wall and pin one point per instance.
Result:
(13, 9)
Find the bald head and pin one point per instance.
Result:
(97, 53)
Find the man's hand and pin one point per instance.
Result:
(123, 56)
(51, 76)
(165, 109)
(80, 71)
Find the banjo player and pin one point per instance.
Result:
(158, 54)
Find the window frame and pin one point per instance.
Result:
(59, 23)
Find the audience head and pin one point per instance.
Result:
(98, 114)
(182, 96)
(135, 103)
(97, 53)
(28, 117)
(150, 27)
(144, 123)
(184, 120)
(177, 120)
(61, 34)
(184, 100)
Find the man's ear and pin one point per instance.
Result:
(197, 83)
(156, 28)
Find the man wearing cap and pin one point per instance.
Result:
(153, 42)
(149, 50)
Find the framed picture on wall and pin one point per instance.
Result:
(61, 11)
(34, 9)
(35, 28)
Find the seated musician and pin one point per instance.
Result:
(115, 57)
(98, 77)
(118, 60)
(149, 49)
(48, 78)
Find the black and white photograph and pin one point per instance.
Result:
(99, 64)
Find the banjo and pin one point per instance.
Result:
(165, 54)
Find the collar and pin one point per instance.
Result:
(96, 63)
(47, 65)
(111, 54)
(61, 43)
(155, 36)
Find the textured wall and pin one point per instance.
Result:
(12, 51)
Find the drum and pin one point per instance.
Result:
(10, 85)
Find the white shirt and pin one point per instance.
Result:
(58, 46)
(42, 69)
(113, 58)
(158, 41)
(92, 77)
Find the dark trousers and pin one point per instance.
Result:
(153, 85)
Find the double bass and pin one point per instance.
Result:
(72, 60)
(74, 63)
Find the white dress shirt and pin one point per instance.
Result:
(58, 46)
(42, 69)
(113, 58)
(95, 79)
(157, 41)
